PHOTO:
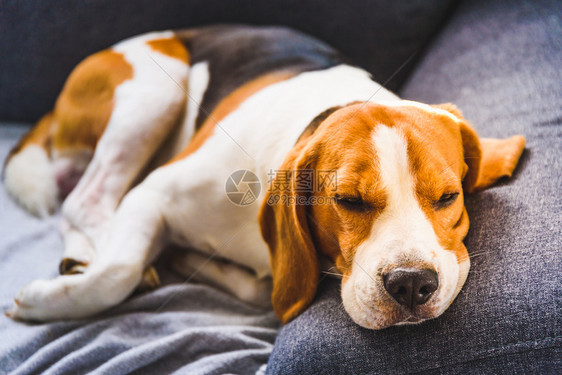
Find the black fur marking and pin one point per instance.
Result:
(311, 128)
(239, 54)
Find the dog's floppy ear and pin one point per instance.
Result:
(284, 226)
(487, 159)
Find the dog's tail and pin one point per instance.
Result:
(28, 173)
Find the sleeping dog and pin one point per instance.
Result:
(266, 153)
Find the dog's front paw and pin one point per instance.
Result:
(28, 303)
(44, 300)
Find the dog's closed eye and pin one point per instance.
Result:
(445, 200)
(350, 202)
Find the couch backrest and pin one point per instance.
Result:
(41, 41)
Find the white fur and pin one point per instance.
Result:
(178, 140)
(402, 234)
(198, 82)
(226, 276)
(29, 178)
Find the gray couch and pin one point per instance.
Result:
(499, 61)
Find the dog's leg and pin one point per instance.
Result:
(137, 234)
(145, 111)
(236, 280)
(170, 204)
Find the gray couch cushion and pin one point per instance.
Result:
(41, 41)
(500, 63)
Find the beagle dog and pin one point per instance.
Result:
(149, 138)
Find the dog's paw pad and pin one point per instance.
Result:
(69, 266)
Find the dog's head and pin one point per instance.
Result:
(391, 215)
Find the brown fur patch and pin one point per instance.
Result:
(85, 104)
(171, 47)
(499, 159)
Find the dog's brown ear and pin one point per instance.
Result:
(487, 159)
(284, 226)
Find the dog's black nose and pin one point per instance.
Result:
(411, 287)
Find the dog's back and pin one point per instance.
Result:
(239, 54)
(48, 162)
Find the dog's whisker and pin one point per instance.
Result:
(478, 254)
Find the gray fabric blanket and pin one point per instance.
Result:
(179, 328)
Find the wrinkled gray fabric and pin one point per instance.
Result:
(179, 328)
(500, 62)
